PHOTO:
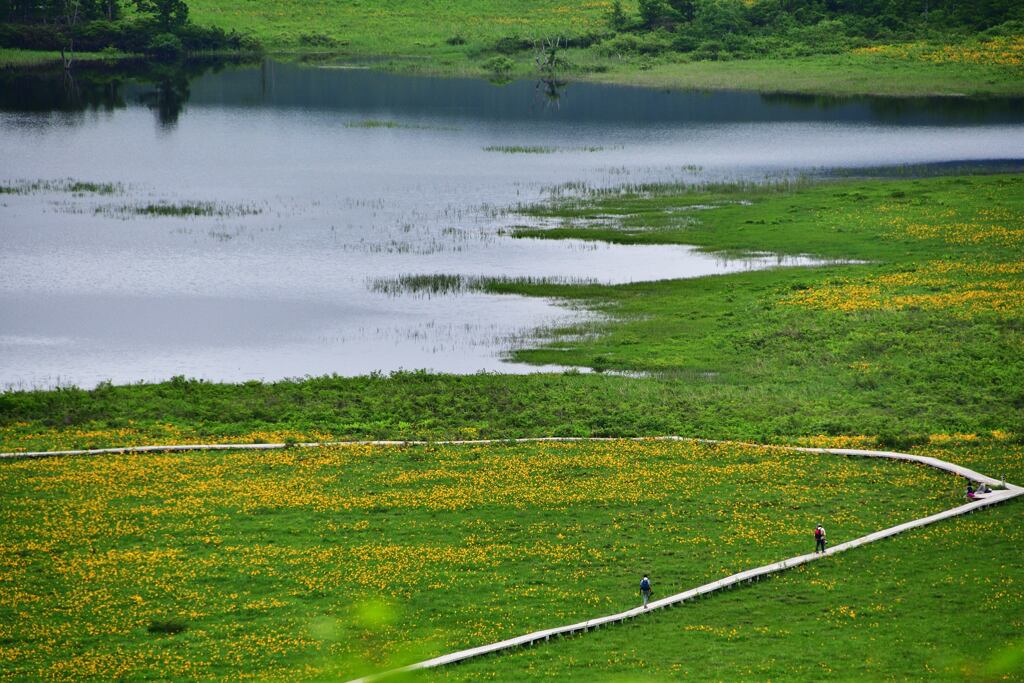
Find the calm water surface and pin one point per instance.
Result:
(310, 205)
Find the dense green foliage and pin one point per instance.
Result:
(719, 29)
(160, 28)
(58, 11)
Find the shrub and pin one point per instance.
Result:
(317, 40)
(456, 40)
(711, 50)
(165, 46)
(499, 65)
(168, 627)
(655, 43)
(510, 45)
(617, 18)
(32, 36)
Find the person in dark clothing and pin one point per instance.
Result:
(645, 590)
(819, 539)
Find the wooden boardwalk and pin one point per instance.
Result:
(996, 497)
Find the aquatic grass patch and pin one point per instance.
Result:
(398, 125)
(328, 562)
(439, 284)
(64, 185)
(540, 149)
(180, 209)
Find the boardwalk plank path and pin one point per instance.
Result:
(1004, 493)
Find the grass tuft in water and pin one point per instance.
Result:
(538, 149)
(186, 210)
(388, 123)
(440, 284)
(68, 185)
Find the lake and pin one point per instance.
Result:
(299, 192)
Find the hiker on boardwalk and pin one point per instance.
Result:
(819, 539)
(645, 590)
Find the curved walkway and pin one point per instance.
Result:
(999, 496)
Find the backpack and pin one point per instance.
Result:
(819, 532)
(645, 585)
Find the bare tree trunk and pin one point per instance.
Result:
(69, 57)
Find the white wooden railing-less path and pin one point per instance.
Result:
(1005, 492)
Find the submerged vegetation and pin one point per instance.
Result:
(444, 284)
(539, 149)
(183, 209)
(387, 123)
(68, 185)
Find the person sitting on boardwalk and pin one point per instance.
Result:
(645, 590)
(819, 539)
(970, 491)
(983, 488)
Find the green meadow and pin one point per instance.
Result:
(463, 38)
(326, 563)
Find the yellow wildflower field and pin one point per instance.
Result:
(304, 563)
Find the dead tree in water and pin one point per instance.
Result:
(546, 54)
(70, 57)
(71, 9)
(548, 64)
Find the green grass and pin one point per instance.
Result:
(396, 26)
(13, 57)
(938, 604)
(418, 30)
(932, 321)
(460, 38)
(329, 562)
(840, 75)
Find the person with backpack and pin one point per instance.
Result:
(645, 590)
(819, 539)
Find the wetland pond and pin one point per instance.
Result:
(239, 222)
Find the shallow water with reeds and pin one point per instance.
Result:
(270, 220)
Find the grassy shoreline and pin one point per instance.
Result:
(827, 75)
(919, 341)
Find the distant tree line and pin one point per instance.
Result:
(729, 29)
(868, 16)
(721, 28)
(157, 27)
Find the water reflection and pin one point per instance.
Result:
(236, 82)
(163, 87)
